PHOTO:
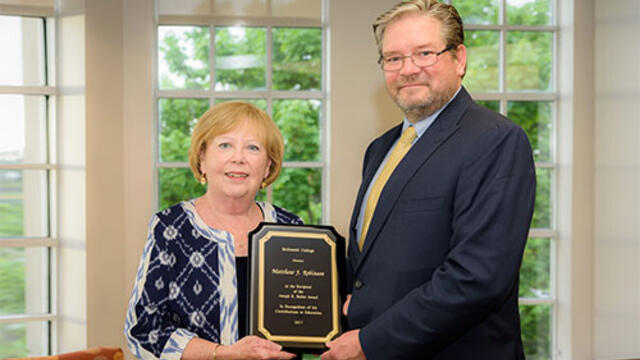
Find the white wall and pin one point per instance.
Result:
(105, 212)
(617, 179)
(573, 273)
(360, 107)
(138, 133)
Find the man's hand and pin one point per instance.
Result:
(345, 307)
(346, 347)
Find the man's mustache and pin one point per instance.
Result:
(412, 80)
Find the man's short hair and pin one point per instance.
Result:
(452, 28)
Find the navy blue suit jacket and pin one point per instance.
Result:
(438, 275)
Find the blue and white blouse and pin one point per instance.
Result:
(186, 283)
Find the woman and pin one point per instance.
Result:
(189, 299)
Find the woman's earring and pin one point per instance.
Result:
(264, 185)
(203, 180)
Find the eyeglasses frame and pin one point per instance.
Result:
(437, 54)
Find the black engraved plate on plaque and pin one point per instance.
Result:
(295, 285)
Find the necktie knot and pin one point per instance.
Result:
(408, 135)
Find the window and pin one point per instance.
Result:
(27, 180)
(268, 54)
(511, 57)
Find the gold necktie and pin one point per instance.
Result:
(403, 145)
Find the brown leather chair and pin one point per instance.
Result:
(99, 353)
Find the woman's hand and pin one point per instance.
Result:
(252, 348)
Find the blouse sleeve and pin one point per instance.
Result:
(150, 330)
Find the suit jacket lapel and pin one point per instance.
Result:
(371, 166)
(443, 127)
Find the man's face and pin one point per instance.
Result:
(420, 91)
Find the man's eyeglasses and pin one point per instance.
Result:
(422, 58)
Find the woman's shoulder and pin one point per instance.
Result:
(282, 215)
(174, 222)
(172, 219)
(171, 213)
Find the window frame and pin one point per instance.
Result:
(268, 94)
(50, 242)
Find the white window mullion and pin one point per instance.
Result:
(247, 94)
(184, 94)
(212, 65)
(269, 59)
(505, 26)
(536, 301)
(303, 164)
(519, 96)
(542, 233)
(237, 21)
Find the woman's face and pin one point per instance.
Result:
(235, 163)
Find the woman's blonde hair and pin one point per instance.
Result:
(225, 117)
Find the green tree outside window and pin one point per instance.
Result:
(241, 65)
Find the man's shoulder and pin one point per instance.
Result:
(478, 117)
(484, 114)
(482, 129)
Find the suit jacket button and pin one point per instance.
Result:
(358, 284)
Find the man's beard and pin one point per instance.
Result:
(417, 110)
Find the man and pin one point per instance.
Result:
(437, 234)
